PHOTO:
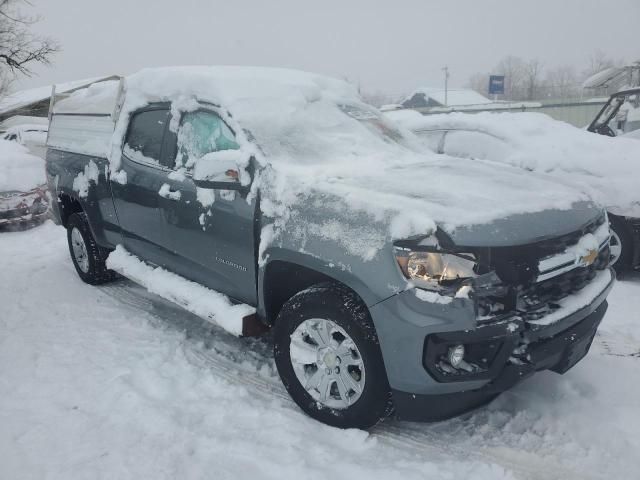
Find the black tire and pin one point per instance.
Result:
(346, 309)
(97, 271)
(620, 229)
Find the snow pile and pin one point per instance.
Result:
(19, 170)
(607, 168)
(195, 298)
(113, 382)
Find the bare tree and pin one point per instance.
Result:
(479, 82)
(513, 69)
(5, 83)
(532, 72)
(19, 48)
(597, 62)
(562, 83)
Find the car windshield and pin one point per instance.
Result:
(621, 115)
(322, 131)
(375, 122)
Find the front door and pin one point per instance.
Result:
(137, 198)
(211, 231)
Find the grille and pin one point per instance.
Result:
(540, 299)
(518, 293)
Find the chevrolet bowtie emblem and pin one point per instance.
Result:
(589, 258)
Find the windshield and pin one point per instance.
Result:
(323, 131)
(621, 115)
(375, 122)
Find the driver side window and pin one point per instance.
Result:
(200, 133)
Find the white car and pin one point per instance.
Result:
(606, 168)
(23, 192)
(34, 137)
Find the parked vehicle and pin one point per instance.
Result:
(620, 116)
(34, 137)
(23, 192)
(523, 138)
(393, 280)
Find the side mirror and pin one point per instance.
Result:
(218, 170)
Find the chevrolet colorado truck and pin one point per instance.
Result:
(394, 281)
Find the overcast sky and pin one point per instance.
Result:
(392, 46)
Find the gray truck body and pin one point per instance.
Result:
(218, 247)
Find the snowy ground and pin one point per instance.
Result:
(111, 382)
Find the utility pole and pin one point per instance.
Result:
(446, 85)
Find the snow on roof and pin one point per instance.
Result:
(24, 98)
(455, 96)
(606, 167)
(97, 98)
(17, 120)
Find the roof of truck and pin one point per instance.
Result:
(219, 84)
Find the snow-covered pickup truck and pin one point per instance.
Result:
(393, 279)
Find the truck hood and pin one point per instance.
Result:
(476, 203)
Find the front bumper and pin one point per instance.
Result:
(518, 349)
(23, 209)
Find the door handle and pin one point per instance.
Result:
(166, 192)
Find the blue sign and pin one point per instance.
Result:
(496, 84)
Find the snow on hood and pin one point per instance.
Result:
(19, 170)
(315, 137)
(606, 168)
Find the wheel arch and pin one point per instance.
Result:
(68, 204)
(280, 279)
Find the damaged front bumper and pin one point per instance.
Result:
(498, 355)
(20, 210)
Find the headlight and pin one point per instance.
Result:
(435, 270)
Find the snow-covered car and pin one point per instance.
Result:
(34, 137)
(394, 279)
(606, 168)
(23, 192)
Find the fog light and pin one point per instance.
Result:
(455, 355)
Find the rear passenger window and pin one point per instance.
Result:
(144, 139)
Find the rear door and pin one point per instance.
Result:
(137, 201)
(211, 231)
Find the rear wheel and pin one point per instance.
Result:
(87, 256)
(621, 245)
(329, 359)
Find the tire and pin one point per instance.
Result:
(90, 265)
(621, 236)
(369, 401)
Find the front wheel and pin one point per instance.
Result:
(87, 256)
(328, 357)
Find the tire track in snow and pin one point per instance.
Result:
(222, 359)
